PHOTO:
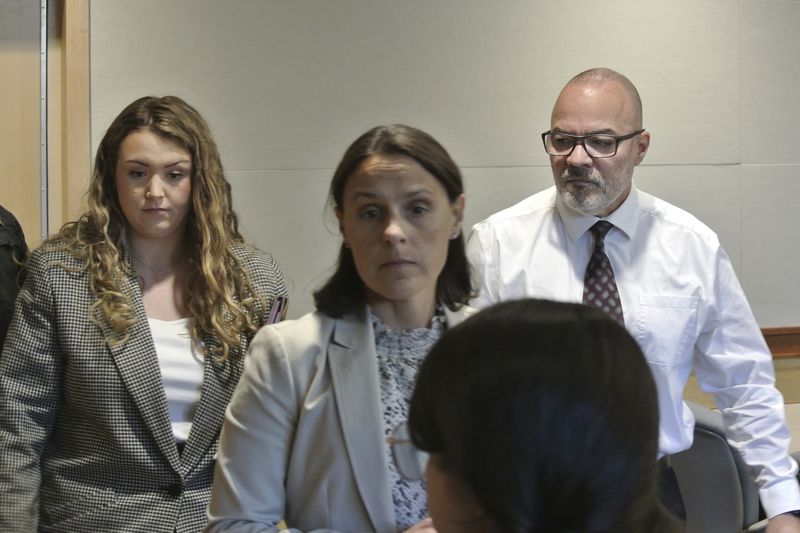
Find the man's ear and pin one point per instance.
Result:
(642, 144)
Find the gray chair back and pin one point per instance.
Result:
(719, 494)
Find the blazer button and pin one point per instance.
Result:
(174, 490)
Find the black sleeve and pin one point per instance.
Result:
(13, 252)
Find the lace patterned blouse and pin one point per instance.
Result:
(400, 353)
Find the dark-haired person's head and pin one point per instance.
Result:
(539, 416)
(399, 200)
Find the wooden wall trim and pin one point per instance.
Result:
(75, 111)
(783, 342)
(68, 110)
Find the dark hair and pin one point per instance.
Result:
(549, 413)
(344, 291)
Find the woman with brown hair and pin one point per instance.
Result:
(304, 439)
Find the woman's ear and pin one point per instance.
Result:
(458, 212)
(340, 218)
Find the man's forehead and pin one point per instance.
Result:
(593, 107)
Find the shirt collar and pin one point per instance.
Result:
(624, 217)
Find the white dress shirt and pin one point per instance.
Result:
(681, 301)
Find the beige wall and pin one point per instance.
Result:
(19, 113)
(67, 101)
(287, 84)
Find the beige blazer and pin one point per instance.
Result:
(303, 436)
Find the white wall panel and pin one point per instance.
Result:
(771, 236)
(291, 76)
(770, 77)
(287, 84)
(283, 212)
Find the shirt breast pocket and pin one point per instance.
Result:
(665, 327)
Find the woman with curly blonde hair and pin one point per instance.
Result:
(129, 335)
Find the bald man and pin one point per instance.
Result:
(653, 266)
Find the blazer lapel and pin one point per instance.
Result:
(138, 367)
(219, 382)
(354, 371)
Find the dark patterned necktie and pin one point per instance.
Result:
(599, 286)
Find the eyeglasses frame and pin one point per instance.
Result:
(400, 437)
(578, 139)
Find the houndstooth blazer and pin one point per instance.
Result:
(85, 437)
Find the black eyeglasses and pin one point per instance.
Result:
(596, 145)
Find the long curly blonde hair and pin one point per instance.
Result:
(221, 301)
